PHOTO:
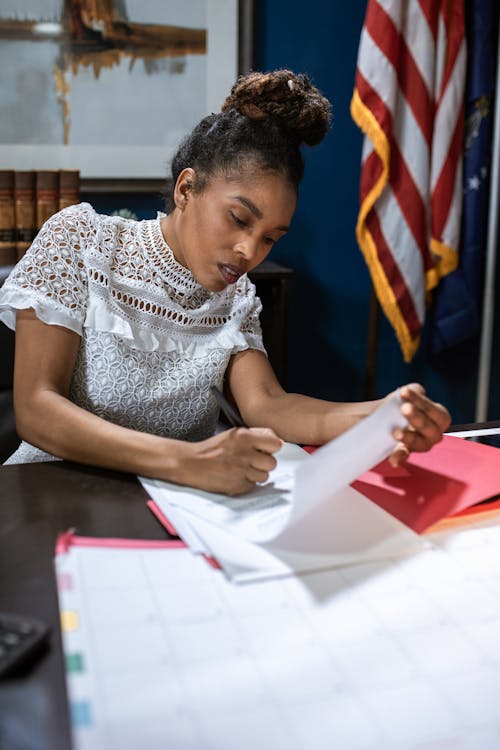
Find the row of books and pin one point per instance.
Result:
(27, 199)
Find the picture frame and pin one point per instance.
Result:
(126, 166)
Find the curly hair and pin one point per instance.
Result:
(262, 125)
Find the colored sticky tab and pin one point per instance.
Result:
(69, 620)
(65, 582)
(74, 662)
(80, 714)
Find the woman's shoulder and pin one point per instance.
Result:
(76, 212)
(85, 215)
(71, 223)
(99, 233)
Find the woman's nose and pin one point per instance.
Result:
(246, 248)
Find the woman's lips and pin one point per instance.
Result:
(230, 273)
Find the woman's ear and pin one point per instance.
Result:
(184, 187)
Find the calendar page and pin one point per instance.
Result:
(162, 651)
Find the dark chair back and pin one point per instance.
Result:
(9, 439)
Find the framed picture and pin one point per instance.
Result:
(110, 87)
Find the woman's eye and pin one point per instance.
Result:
(269, 240)
(239, 222)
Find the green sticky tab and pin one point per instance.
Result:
(74, 662)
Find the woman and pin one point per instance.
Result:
(122, 327)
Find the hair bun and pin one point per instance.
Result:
(288, 97)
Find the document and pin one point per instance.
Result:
(306, 517)
(162, 651)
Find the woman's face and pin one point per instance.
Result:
(230, 227)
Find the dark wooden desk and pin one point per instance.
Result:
(37, 502)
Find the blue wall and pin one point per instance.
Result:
(331, 286)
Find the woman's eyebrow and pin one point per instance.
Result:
(254, 209)
(249, 204)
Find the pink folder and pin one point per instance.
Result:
(453, 476)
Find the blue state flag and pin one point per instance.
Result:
(456, 310)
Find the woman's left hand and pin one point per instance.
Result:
(427, 420)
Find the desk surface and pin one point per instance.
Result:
(37, 502)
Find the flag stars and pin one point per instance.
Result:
(474, 182)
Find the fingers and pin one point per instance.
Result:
(242, 457)
(427, 420)
(415, 394)
(265, 440)
(255, 475)
(263, 444)
(399, 455)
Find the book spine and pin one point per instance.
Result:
(8, 255)
(69, 187)
(25, 210)
(47, 195)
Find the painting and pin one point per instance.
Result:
(110, 87)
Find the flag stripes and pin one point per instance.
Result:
(409, 101)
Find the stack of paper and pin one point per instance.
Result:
(306, 517)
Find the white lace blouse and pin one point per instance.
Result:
(153, 340)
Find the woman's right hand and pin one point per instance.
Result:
(231, 462)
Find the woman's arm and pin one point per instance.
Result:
(45, 358)
(302, 419)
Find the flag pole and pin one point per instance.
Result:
(491, 250)
(370, 384)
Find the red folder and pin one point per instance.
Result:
(451, 478)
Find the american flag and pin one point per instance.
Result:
(409, 101)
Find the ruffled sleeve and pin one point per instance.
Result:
(52, 277)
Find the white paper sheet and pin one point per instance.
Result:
(164, 652)
(256, 515)
(305, 517)
(481, 432)
(347, 530)
(339, 462)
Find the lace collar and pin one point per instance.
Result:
(178, 280)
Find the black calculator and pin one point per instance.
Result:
(21, 640)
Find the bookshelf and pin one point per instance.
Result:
(27, 199)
